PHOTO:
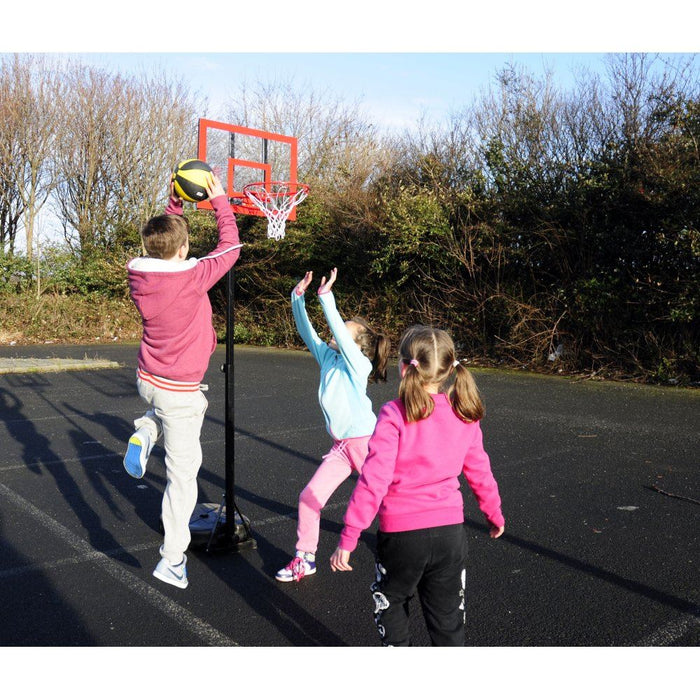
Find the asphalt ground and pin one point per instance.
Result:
(599, 482)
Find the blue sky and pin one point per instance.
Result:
(394, 89)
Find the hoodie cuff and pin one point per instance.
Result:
(348, 538)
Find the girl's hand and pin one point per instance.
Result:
(496, 532)
(340, 560)
(304, 283)
(214, 187)
(326, 286)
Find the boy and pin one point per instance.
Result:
(170, 292)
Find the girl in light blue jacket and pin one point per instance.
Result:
(355, 355)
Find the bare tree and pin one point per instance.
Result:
(159, 129)
(338, 146)
(82, 156)
(32, 98)
(117, 151)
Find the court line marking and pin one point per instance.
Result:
(167, 606)
(79, 559)
(94, 554)
(668, 634)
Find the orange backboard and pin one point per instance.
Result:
(241, 156)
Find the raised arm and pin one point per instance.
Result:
(349, 349)
(318, 348)
(212, 267)
(174, 205)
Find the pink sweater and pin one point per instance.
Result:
(178, 335)
(411, 474)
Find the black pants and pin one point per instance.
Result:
(432, 563)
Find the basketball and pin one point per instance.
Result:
(190, 178)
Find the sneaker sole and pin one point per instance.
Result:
(291, 579)
(173, 582)
(132, 459)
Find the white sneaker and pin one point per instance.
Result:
(303, 564)
(137, 453)
(174, 575)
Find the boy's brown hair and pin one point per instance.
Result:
(163, 235)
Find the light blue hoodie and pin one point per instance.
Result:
(342, 392)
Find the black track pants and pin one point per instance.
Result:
(430, 562)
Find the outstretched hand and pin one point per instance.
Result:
(326, 286)
(340, 560)
(303, 284)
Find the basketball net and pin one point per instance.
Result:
(276, 200)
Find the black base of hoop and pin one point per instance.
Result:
(209, 531)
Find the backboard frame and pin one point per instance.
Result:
(239, 203)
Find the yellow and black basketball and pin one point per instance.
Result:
(190, 178)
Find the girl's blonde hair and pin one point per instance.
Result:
(429, 357)
(375, 346)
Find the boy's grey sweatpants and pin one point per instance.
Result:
(178, 416)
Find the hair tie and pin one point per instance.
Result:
(455, 363)
(414, 362)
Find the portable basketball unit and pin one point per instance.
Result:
(258, 170)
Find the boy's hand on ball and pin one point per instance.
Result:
(214, 187)
(173, 196)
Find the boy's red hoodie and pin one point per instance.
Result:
(178, 335)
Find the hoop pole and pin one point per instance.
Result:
(230, 539)
(230, 452)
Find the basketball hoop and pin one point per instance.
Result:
(276, 200)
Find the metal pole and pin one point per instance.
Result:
(234, 518)
(229, 407)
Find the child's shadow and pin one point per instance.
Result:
(40, 458)
(107, 476)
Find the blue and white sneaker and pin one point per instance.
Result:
(303, 564)
(137, 453)
(174, 575)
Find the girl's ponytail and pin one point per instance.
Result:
(376, 347)
(382, 347)
(417, 402)
(464, 395)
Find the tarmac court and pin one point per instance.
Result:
(599, 482)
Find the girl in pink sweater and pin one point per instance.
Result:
(423, 441)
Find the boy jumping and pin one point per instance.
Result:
(170, 292)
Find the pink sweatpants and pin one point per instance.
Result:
(337, 465)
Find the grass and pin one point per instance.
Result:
(55, 318)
